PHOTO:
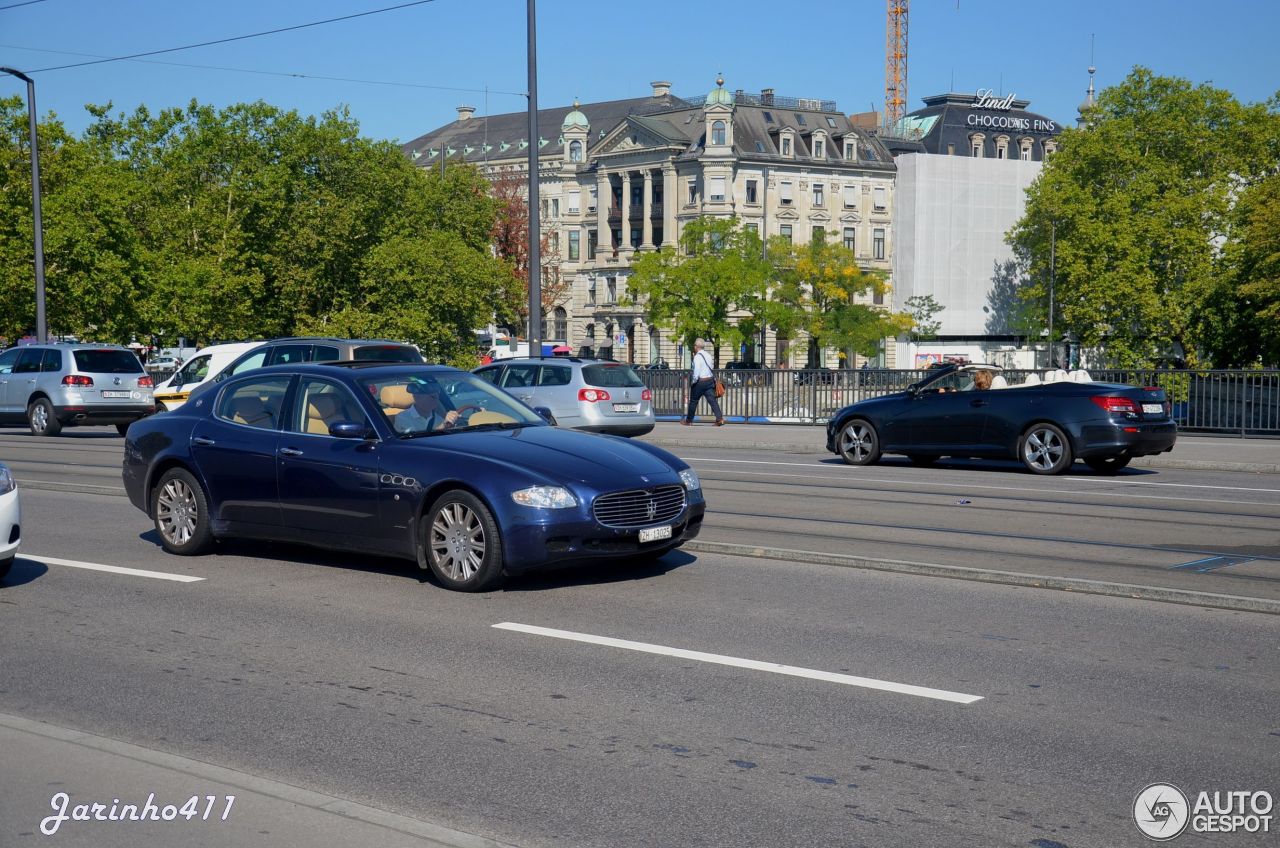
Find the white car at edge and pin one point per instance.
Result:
(10, 520)
(208, 362)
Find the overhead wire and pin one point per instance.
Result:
(236, 37)
(292, 74)
(16, 5)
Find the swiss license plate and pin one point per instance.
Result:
(653, 534)
(1153, 408)
(626, 407)
(111, 394)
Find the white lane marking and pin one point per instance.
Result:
(940, 484)
(757, 665)
(114, 569)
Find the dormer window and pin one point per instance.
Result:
(819, 149)
(975, 145)
(1049, 148)
(575, 151)
(717, 132)
(850, 150)
(1024, 149)
(1002, 147)
(786, 145)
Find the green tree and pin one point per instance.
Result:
(819, 286)
(1249, 324)
(718, 270)
(1136, 203)
(922, 309)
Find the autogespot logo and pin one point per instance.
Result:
(1161, 811)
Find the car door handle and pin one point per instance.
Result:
(202, 440)
(977, 402)
(290, 452)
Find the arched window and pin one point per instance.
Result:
(717, 132)
(575, 151)
(561, 324)
(590, 332)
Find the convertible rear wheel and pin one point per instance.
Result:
(181, 512)
(461, 542)
(859, 444)
(1045, 450)
(1107, 464)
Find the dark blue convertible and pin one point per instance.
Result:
(972, 411)
(423, 462)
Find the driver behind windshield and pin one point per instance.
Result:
(428, 411)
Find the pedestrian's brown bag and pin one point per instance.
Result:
(719, 388)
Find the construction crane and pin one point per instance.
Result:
(895, 63)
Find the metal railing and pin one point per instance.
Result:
(1233, 402)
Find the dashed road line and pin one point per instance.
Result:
(756, 665)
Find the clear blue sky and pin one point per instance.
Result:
(603, 50)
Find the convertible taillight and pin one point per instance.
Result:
(1116, 404)
(77, 380)
(592, 395)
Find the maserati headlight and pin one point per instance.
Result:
(545, 497)
(690, 479)
(6, 481)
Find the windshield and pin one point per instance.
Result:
(107, 362)
(193, 372)
(436, 402)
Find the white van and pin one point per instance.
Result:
(207, 362)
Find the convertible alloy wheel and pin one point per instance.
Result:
(858, 443)
(1045, 450)
(461, 542)
(181, 513)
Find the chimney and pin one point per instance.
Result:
(465, 112)
(661, 88)
(766, 97)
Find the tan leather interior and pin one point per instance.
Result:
(322, 410)
(486, 416)
(394, 399)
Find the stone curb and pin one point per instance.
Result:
(1009, 578)
(819, 449)
(435, 836)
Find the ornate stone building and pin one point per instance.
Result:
(622, 177)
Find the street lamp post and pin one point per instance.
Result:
(535, 234)
(1053, 232)
(42, 331)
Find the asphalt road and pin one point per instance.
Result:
(914, 711)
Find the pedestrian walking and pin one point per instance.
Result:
(702, 383)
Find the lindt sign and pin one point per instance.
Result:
(986, 99)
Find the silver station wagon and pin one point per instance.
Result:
(583, 394)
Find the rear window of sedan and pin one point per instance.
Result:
(107, 362)
(611, 376)
(386, 353)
